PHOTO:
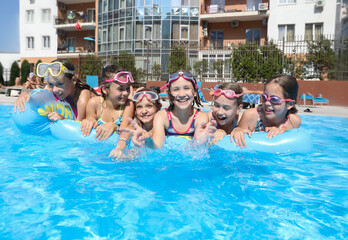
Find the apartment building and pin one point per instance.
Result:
(227, 22)
(302, 19)
(38, 39)
(224, 22)
(147, 29)
(75, 25)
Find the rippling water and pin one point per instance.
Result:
(63, 190)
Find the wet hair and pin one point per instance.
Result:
(289, 86)
(108, 72)
(78, 83)
(196, 99)
(234, 87)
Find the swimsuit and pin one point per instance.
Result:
(261, 128)
(101, 121)
(189, 132)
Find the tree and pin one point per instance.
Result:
(200, 68)
(218, 66)
(91, 65)
(156, 71)
(177, 59)
(15, 70)
(1, 74)
(321, 55)
(25, 70)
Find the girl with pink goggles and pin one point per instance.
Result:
(121, 77)
(175, 76)
(230, 94)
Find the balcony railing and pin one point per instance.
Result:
(72, 49)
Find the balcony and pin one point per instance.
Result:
(246, 12)
(87, 22)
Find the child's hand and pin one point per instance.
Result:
(218, 135)
(20, 101)
(117, 154)
(205, 131)
(137, 133)
(54, 116)
(87, 125)
(238, 135)
(104, 131)
(273, 131)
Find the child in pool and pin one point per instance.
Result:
(276, 114)
(64, 86)
(181, 118)
(110, 111)
(147, 104)
(227, 105)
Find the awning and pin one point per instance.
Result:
(89, 39)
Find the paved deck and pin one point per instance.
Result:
(318, 110)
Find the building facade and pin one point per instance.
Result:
(75, 24)
(38, 39)
(301, 19)
(147, 27)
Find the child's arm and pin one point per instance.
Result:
(245, 126)
(82, 102)
(124, 136)
(139, 134)
(159, 122)
(91, 119)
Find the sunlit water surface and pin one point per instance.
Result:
(72, 190)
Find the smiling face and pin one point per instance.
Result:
(182, 93)
(61, 86)
(225, 110)
(274, 112)
(117, 93)
(145, 110)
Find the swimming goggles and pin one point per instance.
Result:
(228, 93)
(175, 76)
(121, 77)
(56, 69)
(150, 96)
(274, 99)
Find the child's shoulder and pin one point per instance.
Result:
(250, 112)
(295, 120)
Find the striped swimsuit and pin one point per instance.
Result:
(189, 132)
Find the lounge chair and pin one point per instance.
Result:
(315, 100)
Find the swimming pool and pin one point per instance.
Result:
(62, 190)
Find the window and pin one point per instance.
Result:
(184, 32)
(122, 34)
(91, 15)
(46, 43)
(46, 15)
(32, 1)
(253, 5)
(216, 39)
(29, 16)
(253, 36)
(30, 42)
(316, 28)
(287, 1)
(286, 32)
(147, 32)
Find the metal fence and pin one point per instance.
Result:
(322, 58)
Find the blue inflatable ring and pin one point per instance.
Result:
(295, 141)
(34, 119)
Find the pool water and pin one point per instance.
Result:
(72, 190)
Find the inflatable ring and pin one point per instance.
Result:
(34, 119)
(70, 130)
(294, 141)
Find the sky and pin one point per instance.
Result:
(9, 26)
